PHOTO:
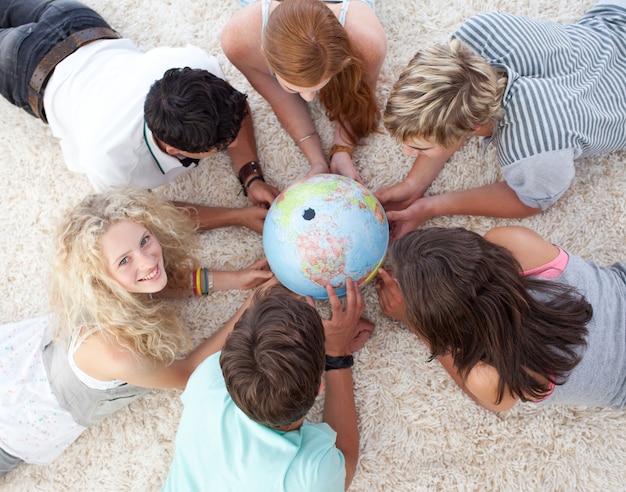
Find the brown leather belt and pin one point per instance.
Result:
(57, 54)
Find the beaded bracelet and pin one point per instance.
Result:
(202, 281)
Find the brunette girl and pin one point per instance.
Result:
(512, 316)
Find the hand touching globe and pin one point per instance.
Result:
(324, 229)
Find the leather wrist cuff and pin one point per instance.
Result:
(339, 148)
(248, 173)
(342, 362)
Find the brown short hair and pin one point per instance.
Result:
(273, 360)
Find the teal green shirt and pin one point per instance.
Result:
(219, 448)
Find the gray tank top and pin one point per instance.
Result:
(599, 380)
(87, 406)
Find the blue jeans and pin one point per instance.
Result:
(29, 29)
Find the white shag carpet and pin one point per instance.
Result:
(418, 430)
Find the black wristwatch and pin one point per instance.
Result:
(341, 362)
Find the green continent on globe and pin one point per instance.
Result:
(330, 190)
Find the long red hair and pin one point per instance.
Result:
(304, 43)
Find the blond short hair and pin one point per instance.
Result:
(443, 94)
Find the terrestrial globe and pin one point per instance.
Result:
(324, 229)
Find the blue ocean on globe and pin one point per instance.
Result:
(324, 229)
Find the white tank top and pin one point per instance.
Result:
(75, 342)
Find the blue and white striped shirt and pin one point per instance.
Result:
(565, 98)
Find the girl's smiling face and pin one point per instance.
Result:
(133, 257)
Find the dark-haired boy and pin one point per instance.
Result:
(61, 61)
(243, 427)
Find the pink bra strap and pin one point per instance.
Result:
(551, 269)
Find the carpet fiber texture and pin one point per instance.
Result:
(419, 431)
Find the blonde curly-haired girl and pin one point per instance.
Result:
(118, 255)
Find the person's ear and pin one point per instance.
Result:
(171, 150)
(321, 390)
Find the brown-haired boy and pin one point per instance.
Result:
(243, 426)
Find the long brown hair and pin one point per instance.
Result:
(304, 43)
(468, 298)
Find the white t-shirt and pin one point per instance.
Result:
(94, 104)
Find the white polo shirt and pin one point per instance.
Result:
(94, 104)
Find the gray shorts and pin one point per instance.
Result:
(7, 462)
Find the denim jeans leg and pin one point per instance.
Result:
(14, 13)
(37, 26)
(17, 20)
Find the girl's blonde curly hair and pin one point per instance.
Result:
(84, 294)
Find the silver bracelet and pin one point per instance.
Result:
(306, 137)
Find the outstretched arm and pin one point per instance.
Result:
(247, 278)
(104, 358)
(422, 174)
(339, 406)
(243, 151)
(209, 218)
(176, 374)
(294, 116)
(241, 42)
(494, 200)
(107, 360)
